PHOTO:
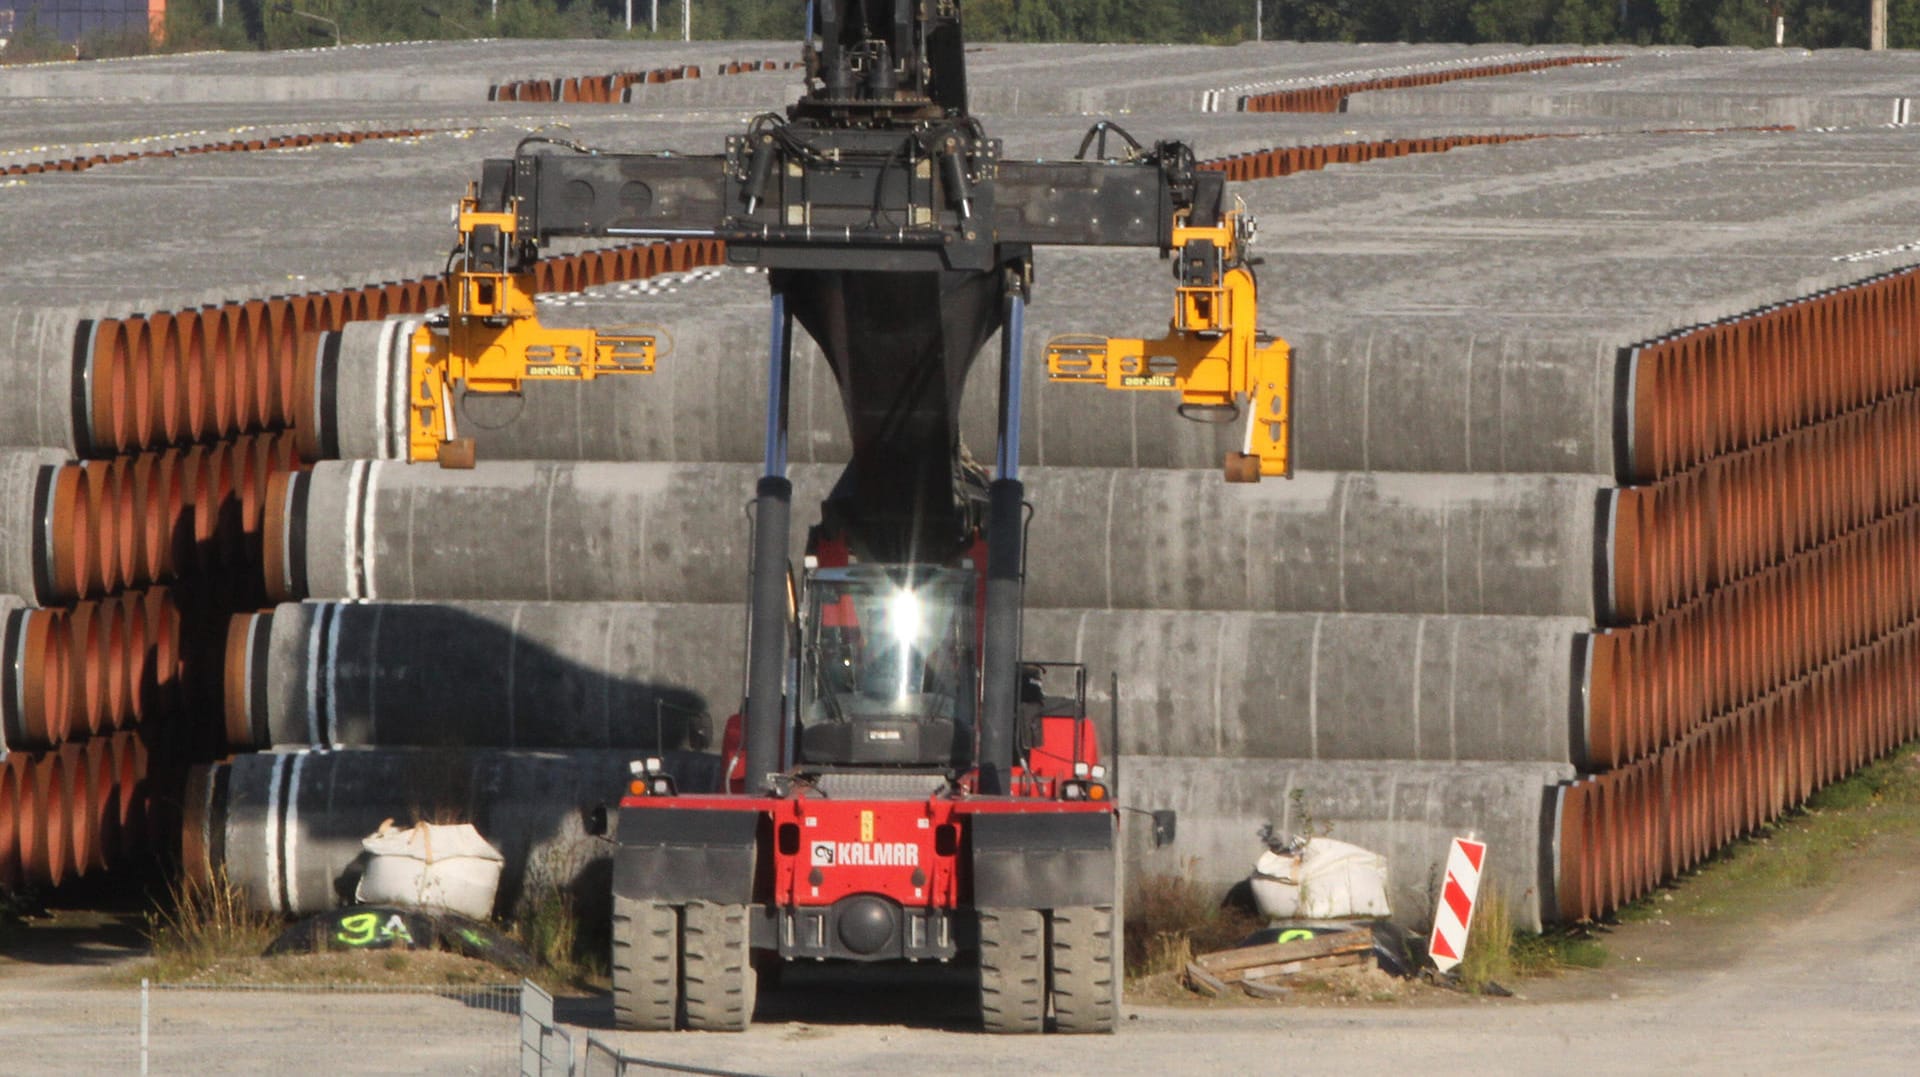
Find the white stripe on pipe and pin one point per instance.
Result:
(273, 834)
(399, 387)
(315, 631)
(293, 483)
(350, 544)
(333, 677)
(382, 371)
(369, 513)
(292, 836)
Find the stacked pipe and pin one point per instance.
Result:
(74, 811)
(1767, 597)
(616, 86)
(96, 667)
(1286, 160)
(587, 89)
(250, 145)
(1758, 546)
(1332, 97)
(127, 565)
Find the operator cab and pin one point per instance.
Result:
(887, 667)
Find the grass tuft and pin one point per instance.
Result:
(201, 925)
(1171, 917)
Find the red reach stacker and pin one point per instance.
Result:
(902, 784)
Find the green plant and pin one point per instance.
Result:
(1490, 942)
(551, 921)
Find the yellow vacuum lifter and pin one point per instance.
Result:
(1213, 355)
(493, 341)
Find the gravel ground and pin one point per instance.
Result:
(1823, 978)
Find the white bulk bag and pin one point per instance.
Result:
(431, 866)
(1322, 880)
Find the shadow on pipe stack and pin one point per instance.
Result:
(496, 675)
(286, 827)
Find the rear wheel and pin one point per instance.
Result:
(646, 965)
(1013, 982)
(1080, 969)
(717, 978)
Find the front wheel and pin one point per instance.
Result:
(1013, 981)
(646, 965)
(1080, 973)
(718, 983)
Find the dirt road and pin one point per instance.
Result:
(1828, 978)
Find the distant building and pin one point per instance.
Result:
(75, 19)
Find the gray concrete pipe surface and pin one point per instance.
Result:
(482, 674)
(1396, 543)
(287, 826)
(25, 500)
(45, 384)
(1364, 399)
(1408, 812)
(1229, 685)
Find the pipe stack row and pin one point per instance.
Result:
(1286, 160)
(1770, 607)
(249, 145)
(588, 89)
(154, 517)
(617, 86)
(74, 811)
(1332, 97)
(120, 572)
(181, 377)
(91, 669)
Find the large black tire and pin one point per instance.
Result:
(1013, 971)
(717, 978)
(646, 965)
(1080, 970)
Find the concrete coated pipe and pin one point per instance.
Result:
(286, 826)
(1407, 812)
(1367, 399)
(1326, 686)
(26, 506)
(46, 385)
(483, 675)
(1100, 538)
(354, 389)
(712, 362)
(1232, 685)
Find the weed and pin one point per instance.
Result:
(202, 924)
(1172, 917)
(572, 948)
(1490, 942)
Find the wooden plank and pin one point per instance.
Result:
(1288, 968)
(1274, 953)
(1204, 982)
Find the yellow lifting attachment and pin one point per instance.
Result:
(1212, 355)
(493, 342)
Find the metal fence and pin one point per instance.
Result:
(279, 1028)
(303, 1028)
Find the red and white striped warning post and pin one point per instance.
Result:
(1454, 912)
